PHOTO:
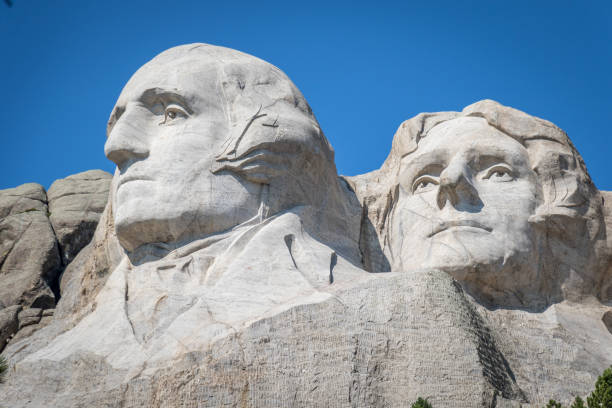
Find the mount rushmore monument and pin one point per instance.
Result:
(227, 264)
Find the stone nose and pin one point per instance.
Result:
(127, 141)
(456, 187)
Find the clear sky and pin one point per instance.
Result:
(364, 67)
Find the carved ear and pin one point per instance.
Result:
(237, 134)
(260, 164)
(270, 144)
(564, 183)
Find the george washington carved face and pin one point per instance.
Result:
(168, 125)
(206, 138)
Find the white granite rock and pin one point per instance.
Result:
(374, 344)
(229, 265)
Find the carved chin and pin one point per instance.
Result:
(490, 267)
(133, 234)
(462, 249)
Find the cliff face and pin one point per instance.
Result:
(227, 264)
(40, 233)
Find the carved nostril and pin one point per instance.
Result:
(456, 187)
(121, 156)
(446, 192)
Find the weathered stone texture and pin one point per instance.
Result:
(230, 264)
(29, 257)
(75, 205)
(376, 344)
(607, 320)
(9, 323)
(30, 261)
(605, 284)
(381, 343)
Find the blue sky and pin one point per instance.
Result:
(364, 67)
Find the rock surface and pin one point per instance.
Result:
(29, 257)
(75, 205)
(605, 284)
(30, 261)
(9, 323)
(375, 344)
(230, 264)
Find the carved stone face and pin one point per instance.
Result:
(466, 195)
(168, 124)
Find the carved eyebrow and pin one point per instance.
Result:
(153, 95)
(431, 169)
(150, 97)
(484, 161)
(417, 163)
(487, 155)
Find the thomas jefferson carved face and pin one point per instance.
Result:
(465, 198)
(165, 131)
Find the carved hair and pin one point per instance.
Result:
(270, 121)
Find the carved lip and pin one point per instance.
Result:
(443, 226)
(127, 179)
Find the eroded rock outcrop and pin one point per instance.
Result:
(75, 205)
(29, 257)
(32, 239)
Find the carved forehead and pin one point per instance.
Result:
(201, 70)
(191, 74)
(470, 137)
(463, 126)
(465, 133)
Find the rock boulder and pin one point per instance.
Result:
(29, 256)
(75, 204)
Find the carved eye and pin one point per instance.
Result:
(424, 183)
(499, 172)
(173, 112)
